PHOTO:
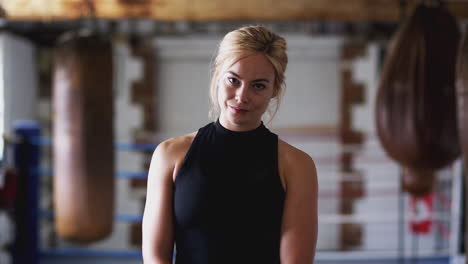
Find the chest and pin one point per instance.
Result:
(227, 183)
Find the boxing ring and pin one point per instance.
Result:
(442, 247)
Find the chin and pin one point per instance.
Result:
(241, 121)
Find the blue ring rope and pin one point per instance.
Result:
(78, 252)
(47, 142)
(91, 253)
(129, 218)
(119, 174)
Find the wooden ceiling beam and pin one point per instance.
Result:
(205, 10)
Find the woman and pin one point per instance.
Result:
(233, 192)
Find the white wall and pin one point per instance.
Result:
(18, 100)
(18, 80)
(313, 82)
(183, 76)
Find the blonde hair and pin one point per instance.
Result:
(242, 43)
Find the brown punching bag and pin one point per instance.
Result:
(462, 99)
(83, 138)
(415, 108)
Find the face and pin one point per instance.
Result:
(244, 92)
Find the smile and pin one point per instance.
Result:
(238, 109)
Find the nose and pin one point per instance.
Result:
(242, 94)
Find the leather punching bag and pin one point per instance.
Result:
(462, 103)
(415, 108)
(83, 138)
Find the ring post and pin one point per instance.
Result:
(26, 244)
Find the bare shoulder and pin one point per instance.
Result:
(293, 155)
(295, 165)
(171, 152)
(174, 146)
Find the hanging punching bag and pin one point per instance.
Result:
(462, 103)
(415, 107)
(83, 138)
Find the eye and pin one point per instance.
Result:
(259, 86)
(233, 80)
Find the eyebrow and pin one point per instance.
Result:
(256, 80)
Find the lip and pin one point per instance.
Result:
(238, 109)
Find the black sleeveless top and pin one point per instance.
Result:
(228, 198)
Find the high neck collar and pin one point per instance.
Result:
(257, 131)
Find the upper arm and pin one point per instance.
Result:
(299, 227)
(157, 218)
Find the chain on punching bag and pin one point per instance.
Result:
(415, 108)
(462, 103)
(83, 138)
